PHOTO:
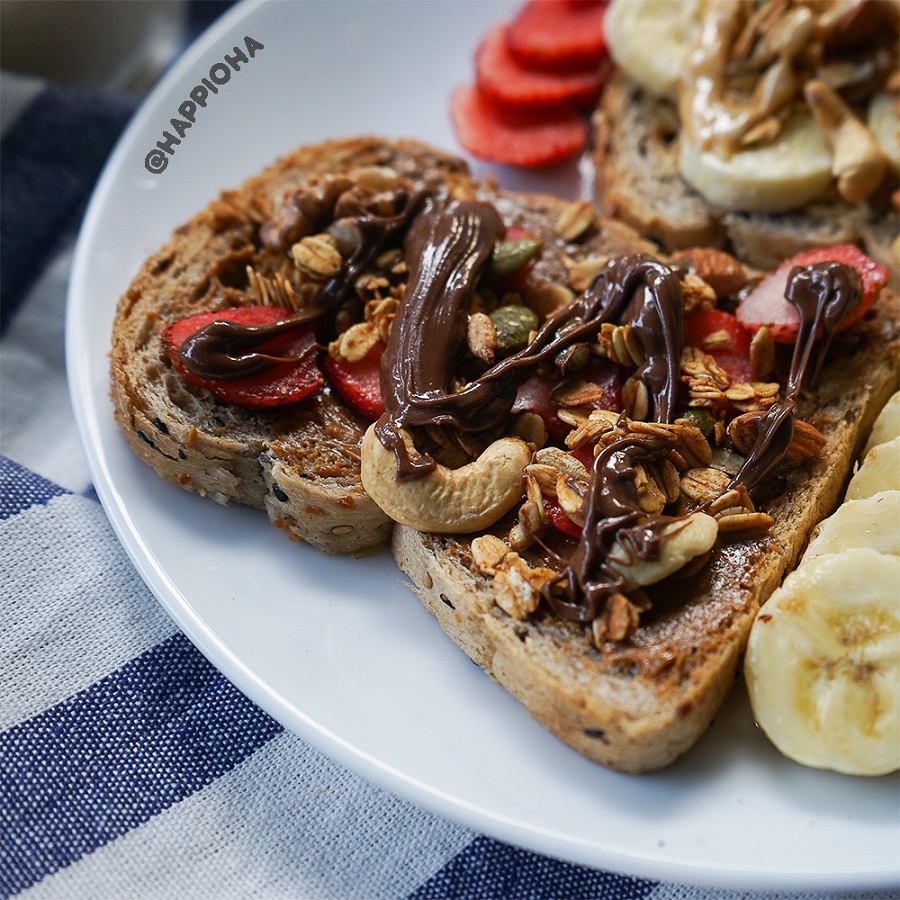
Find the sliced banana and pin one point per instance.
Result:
(887, 425)
(872, 522)
(680, 542)
(650, 39)
(823, 664)
(880, 471)
(787, 173)
(883, 120)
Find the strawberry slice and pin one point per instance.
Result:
(505, 81)
(358, 383)
(534, 394)
(724, 338)
(279, 385)
(558, 34)
(515, 137)
(557, 517)
(766, 303)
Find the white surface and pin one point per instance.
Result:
(338, 650)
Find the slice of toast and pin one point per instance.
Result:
(637, 705)
(638, 181)
(299, 462)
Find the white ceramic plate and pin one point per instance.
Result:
(339, 650)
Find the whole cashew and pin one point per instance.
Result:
(448, 501)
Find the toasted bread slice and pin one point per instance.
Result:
(299, 462)
(637, 705)
(638, 181)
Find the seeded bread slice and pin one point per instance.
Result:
(301, 462)
(637, 706)
(638, 181)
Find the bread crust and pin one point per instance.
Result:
(638, 705)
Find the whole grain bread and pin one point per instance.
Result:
(637, 705)
(638, 181)
(300, 462)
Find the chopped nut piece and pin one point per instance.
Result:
(482, 337)
(808, 442)
(720, 270)
(582, 272)
(698, 295)
(762, 352)
(618, 622)
(317, 256)
(575, 220)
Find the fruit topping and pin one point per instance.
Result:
(766, 303)
(287, 370)
(515, 137)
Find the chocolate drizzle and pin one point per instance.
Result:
(822, 294)
(226, 350)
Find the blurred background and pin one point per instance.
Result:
(118, 45)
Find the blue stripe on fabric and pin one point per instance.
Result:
(108, 759)
(488, 868)
(49, 161)
(20, 489)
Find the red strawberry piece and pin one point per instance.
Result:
(766, 303)
(514, 137)
(504, 80)
(724, 338)
(358, 383)
(534, 396)
(608, 376)
(279, 385)
(558, 34)
(557, 517)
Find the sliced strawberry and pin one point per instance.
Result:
(514, 137)
(534, 394)
(358, 384)
(724, 338)
(504, 80)
(766, 303)
(608, 376)
(558, 34)
(279, 385)
(557, 517)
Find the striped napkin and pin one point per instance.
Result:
(129, 767)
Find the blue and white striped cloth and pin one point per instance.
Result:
(129, 767)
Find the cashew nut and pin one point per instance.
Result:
(859, 164)
(448, 501)
(680, 542)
